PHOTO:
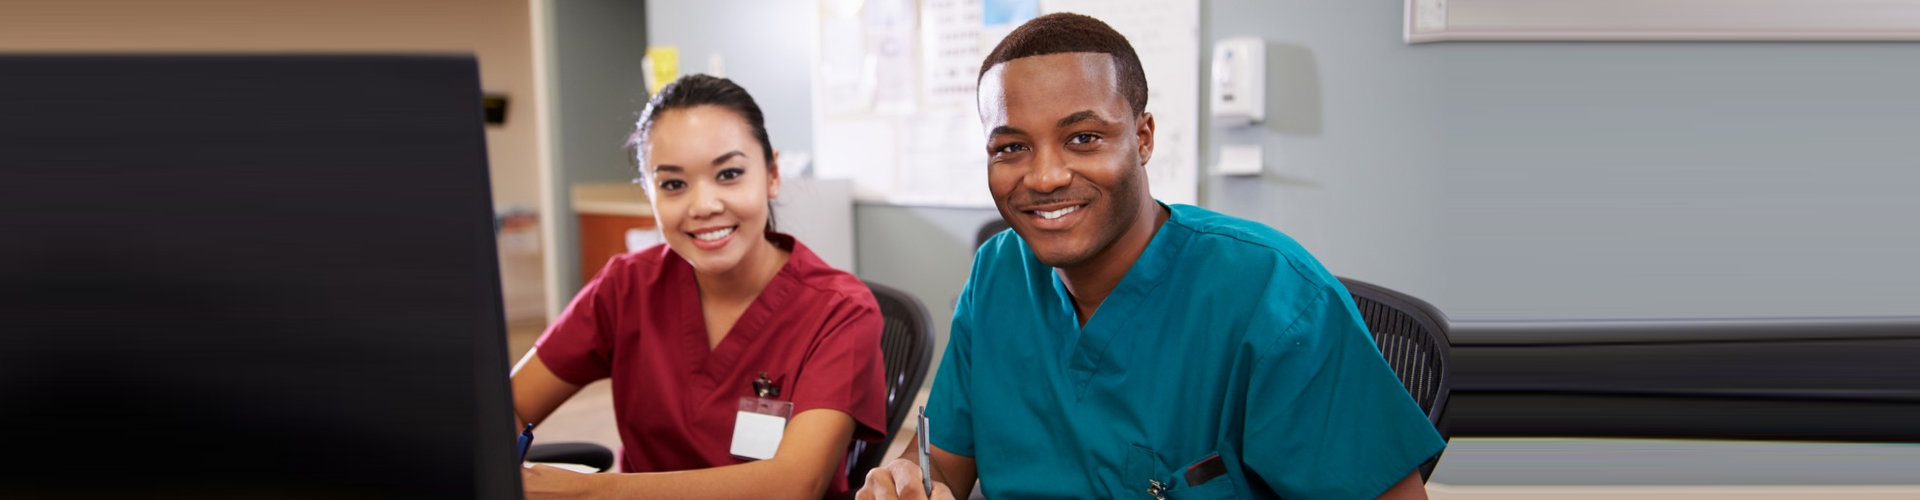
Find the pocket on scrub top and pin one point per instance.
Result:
(1203, 479)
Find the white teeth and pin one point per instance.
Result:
(1057, 213)
(714, 235)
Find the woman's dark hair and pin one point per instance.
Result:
(701, 90)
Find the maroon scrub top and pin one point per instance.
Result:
(815, 330)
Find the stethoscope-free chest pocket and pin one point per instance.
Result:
(1201, 479)
(1204, 478)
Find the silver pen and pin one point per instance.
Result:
(926, 473)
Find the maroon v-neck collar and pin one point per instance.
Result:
(712, 363)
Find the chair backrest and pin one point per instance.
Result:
(989, 229)
(1412, 336)
(908, 345)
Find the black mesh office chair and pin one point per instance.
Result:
(1412, 335)
(908, 344)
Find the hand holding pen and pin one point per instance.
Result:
(897, 479)
(901, 479)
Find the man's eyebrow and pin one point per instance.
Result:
(1081, 116)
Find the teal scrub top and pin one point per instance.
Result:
(1225, 338)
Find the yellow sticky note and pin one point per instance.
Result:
(662, 67)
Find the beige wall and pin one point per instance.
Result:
(497, 31)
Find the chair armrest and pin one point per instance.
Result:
(588, 454)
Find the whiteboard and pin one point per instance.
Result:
(894, 82)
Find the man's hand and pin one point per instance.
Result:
(548, 482)
(900, 480)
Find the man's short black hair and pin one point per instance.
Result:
(1067, 32)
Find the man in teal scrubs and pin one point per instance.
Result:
(1111, 346)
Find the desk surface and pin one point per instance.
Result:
(1683, 463)
(1437, 491)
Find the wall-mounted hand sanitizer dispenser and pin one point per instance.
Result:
(1239, 84)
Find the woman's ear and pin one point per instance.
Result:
(773, 176)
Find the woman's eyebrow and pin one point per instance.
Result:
(724, 156)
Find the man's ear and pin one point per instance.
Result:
(773, 175)
(1143, 132)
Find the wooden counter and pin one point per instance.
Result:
(606, 212)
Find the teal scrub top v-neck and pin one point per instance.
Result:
(1225, 338)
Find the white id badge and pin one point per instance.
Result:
(758, 427)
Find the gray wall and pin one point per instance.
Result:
(597, 91)
(765, 45)
(1592, 180)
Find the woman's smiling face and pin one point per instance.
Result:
(709, 185)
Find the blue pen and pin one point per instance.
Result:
(526, 439)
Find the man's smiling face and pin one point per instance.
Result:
(1066, 153)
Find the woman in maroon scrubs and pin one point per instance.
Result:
(685, 329)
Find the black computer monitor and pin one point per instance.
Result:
(249, 276)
